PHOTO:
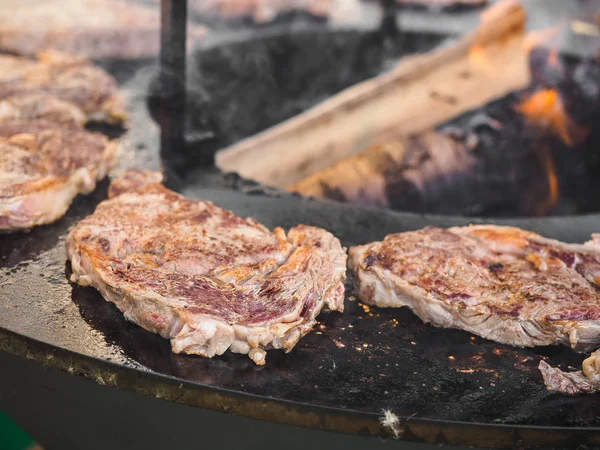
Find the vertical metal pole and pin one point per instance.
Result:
(389, 24)
(173, 32)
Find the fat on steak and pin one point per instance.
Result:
(502, 283)
(201, 276)
(36, 89)
(43, 166)
(585, 381)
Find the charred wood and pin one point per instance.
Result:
(533, 152)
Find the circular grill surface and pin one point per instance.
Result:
(357, 363)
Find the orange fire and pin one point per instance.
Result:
(544, 207)
(546, 109)
(479, 59)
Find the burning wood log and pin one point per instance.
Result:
(419, 93)
(533, 152)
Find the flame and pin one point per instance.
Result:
(545, 108)
(544, 207)
(479, 59)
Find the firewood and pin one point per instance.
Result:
(421, 92)
(533, 152)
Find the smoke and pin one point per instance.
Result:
(244, 79)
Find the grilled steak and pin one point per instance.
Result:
(64, 77)
(201, 276)
(260, 11)
(43, 166)
(441, 5)
(584, 381)
(91, 28)
(502, 283)
(40, 106)
(444, 4)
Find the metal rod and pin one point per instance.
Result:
(172, 78)
(389, 22)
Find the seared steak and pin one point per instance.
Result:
(201, 276)
(43, 166)
(444, 4)
(584, 381)
(91, 28)
(40, 106)
(67, 78)
(502, 283)
(260, 11)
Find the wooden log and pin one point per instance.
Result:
(533, 152)
(364, 178)
(421, 92)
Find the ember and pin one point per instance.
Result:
(550, 202)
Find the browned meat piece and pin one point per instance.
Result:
(40, 106)
(444, 4)
(43, 167)
(502, 283)
(91, 28)
(203, 277)
(66, 78)
(585, 381)
(134, 180)
(260, 11)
